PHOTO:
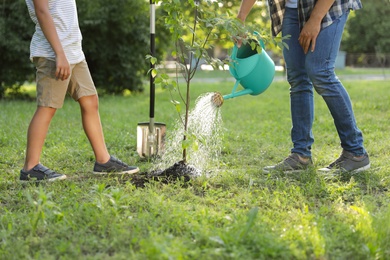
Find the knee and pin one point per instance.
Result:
(323, 79)
(300, 85)
(89, 103)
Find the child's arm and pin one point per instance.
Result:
(46, 22)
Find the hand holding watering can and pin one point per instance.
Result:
(253, 70)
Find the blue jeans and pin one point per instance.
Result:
(317, 69)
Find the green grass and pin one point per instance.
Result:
(238, 212)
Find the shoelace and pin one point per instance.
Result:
(118, 161)
(337, 162)
(287, 160)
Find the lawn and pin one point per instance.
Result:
(234, 212)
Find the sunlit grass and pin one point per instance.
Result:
(238, 212)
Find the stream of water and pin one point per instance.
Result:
(205, 123)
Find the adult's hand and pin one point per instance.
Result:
(238, 40)
(308, 36)
(311, 29)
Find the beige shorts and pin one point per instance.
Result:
(51, 92)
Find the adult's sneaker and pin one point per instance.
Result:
(41, 173)
(348, 162)
(293, 163)
(114, 165)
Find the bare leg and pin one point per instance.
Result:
(89, 106)
(36, 135)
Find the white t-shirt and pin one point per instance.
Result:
(292, 3)
(64, 14)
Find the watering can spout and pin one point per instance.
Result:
(238, 94)
(217, 99)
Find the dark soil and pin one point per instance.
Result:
(178, 171)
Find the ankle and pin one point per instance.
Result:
(103, 159)
(28, 166)
(303, 158)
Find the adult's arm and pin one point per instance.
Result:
(245, 8)
(312, 27)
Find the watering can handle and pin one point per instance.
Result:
(235, 86)
(234, 52)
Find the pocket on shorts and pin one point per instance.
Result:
(45, 67)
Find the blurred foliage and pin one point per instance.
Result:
(116, 37)
(257, 20)
(115, 42)
(15, 35)
(367, 30)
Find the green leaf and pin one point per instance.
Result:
(178, 108)
(259, 49)
(253, 45)
(154, 73)
(153, 60)
(185, 144)
(158, 80)
(195, 145)
(165, 76)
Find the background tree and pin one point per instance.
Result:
(15, 35)
(115, 42)
(257, 20)
(116, 38)
(367, 33)
(367, 30)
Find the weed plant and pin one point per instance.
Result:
(238, 212)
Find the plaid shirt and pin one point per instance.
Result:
(305, 7)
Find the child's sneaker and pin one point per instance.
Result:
(349, 163)
(114, 165)
(40, 173)
(293, 163)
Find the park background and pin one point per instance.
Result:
(235, 211)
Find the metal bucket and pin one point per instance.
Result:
(150, 141)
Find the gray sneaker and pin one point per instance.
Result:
(291, 164)
(114, 165)
(347, 162)
(41, 173)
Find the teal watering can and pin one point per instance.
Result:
(252, 70)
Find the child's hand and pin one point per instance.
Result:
(62, 67)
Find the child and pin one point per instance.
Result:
(61, 67)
